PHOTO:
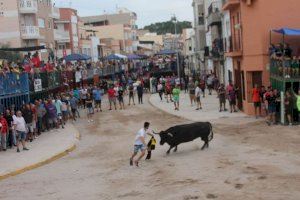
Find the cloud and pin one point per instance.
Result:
(148, 11)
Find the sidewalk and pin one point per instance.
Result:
(48, 147)
(210, 111)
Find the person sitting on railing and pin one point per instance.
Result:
(36, 62)
(287, 56)
(295, 67)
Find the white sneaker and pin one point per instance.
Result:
(92, 120)
(88, 121)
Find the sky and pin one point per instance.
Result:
(148, 11)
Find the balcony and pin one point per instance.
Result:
(230, 4)
(231, 50)
(28, 6)
(55, 14)
(30, 32)
(214, 19)
(61, 36)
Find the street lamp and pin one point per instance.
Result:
(174, 19)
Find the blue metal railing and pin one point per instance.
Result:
(12, 83)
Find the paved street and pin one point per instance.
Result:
(249, 161)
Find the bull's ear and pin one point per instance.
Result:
(170, 134)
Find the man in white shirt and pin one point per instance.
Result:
(140, 144)
(21, 130)
(197, 95)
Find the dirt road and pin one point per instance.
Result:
(243, 163)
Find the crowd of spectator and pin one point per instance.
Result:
(285, 61)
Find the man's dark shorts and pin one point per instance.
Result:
(257, 104)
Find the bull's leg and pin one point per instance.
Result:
(203, 147)
(175, 150)
(171, 147)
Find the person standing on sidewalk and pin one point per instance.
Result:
(289, 106)
(58, 105)
(160, 91)
(112, 97)
(210, 86)
(222, 97)
(89, 106)
(41, 112)
(121, 98)
(231, 93)
(74, 106)
(256, 100)
(28, 117)
(131, 94)
(140, 92)
(198, 97)
(11, 139)
(20, 127)
(191, 87)
(3, 132)
(140, 144)
(97, 93)
(176, 93)
(202, 87)
(271, 99)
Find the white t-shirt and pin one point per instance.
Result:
(159, 87)
(140, 133)
(78, 76)
(20, 124)
(197, 92)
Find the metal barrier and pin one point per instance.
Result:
(14, 101)
(12, 83)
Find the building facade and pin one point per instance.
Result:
(27, 23)
(119, 26)
(200, 35)
(251, 22)
(67, 32)
(214, 41)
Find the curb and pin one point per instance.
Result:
(41, 163)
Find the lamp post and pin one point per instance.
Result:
(174, 19)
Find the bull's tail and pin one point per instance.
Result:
(211, 135)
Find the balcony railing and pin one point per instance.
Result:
(284, 69)
(30, 32)
(28, 6)
(214, 19)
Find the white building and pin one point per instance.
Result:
(228, 63)
(200, 39)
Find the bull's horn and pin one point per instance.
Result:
(155, 133)
(170, 134)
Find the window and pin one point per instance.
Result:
(41, 22)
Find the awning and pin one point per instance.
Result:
(35, 48)
(288, 31)
(115, 57)
(133, 57)
(166, 52)
(77, 57)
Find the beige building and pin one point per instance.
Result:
(149, 43)
(26, 23)
(119, 26)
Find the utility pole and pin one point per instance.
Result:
(174, 19)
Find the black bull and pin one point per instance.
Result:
(187, 133)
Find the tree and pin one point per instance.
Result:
(168, 27)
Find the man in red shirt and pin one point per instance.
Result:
(256, 100)
(112, 97)
(3, 131)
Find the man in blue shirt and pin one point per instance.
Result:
(97, 93)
